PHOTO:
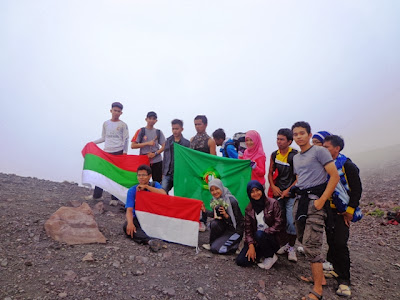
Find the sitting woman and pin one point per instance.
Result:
(263, 222)
(226, 229)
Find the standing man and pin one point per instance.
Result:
(149, 140)
(168, 162)
(282, 162)
(312, 166)
(228, 148)
(337, 238)
(202, 141)
(115, 135)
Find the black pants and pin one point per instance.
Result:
(338, 253)
(266, 246)
(156, 170)
(98, 192)
(223, 238)
(140, 236)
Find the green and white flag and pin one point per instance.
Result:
(193, 170)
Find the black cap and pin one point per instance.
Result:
(117, 104)
(151, 114)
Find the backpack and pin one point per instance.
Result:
(290, 157)
(238, 141)
(143, 132)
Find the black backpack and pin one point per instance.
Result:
(143, 132)
(290, 157)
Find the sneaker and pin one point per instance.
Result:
(283, 249)
(343, 290)
(292, 254)
(268, 262)
(206, 246)
(202, 227)
(155, 245)
(327, 266)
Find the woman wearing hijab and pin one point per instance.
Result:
(262, 225)
(226, 229)
(255, 153)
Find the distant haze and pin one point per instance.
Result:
(259, 65)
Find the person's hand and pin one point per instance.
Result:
(222, 212)
(203, 208)
(253, 164)
(150, 155)
(277, 191)
(347, 217)
(285, 193)
(251, 253)
(319, 204)
(141, 187)
(130, 229)
(152, 142)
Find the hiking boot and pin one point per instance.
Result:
(283, 249)
(268, 262)
(206, 246)
(202, 227)
(327, 266)
(155, 245)
(292, 254)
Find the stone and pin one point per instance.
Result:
(98, 209)
(62, 295)
(113, 203)
(142, 259)
(74, 225)
(69, 275)
(116, 264)
(261, 296)
(4, 262)
(28, 263)
(88, 257)
(170, 292)
(200, 290)
(261, 283)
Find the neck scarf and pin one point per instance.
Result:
(257, 150)
(226, 197)
(258, 205)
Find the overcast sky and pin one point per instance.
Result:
(245, 64)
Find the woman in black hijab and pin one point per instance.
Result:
(262, 224)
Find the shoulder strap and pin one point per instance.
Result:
(158, 135)
(142, 133)
(273, 156)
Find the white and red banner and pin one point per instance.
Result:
(170, 218)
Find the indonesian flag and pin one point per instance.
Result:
(113, 173)
(170, 218)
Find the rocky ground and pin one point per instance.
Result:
(33, 266)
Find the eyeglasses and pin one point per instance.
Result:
(142, 175)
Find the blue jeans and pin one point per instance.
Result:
(167, 182)
(286, 205)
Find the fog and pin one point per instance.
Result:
(259, 65)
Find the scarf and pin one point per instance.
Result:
(258, 205)
(226, 196)
(257, 150)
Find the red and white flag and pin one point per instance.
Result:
(170, 218)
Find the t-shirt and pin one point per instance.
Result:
(115, 136)
(309, 166)
(150, 134)
(131, 196)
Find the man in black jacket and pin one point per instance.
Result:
(338, 253)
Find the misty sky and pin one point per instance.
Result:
(245, 64)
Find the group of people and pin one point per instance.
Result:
(304, 198)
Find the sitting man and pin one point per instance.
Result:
(132, 227)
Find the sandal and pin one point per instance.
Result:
(343, 290)
(309, 279)
(330, 274)
(319, 297)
